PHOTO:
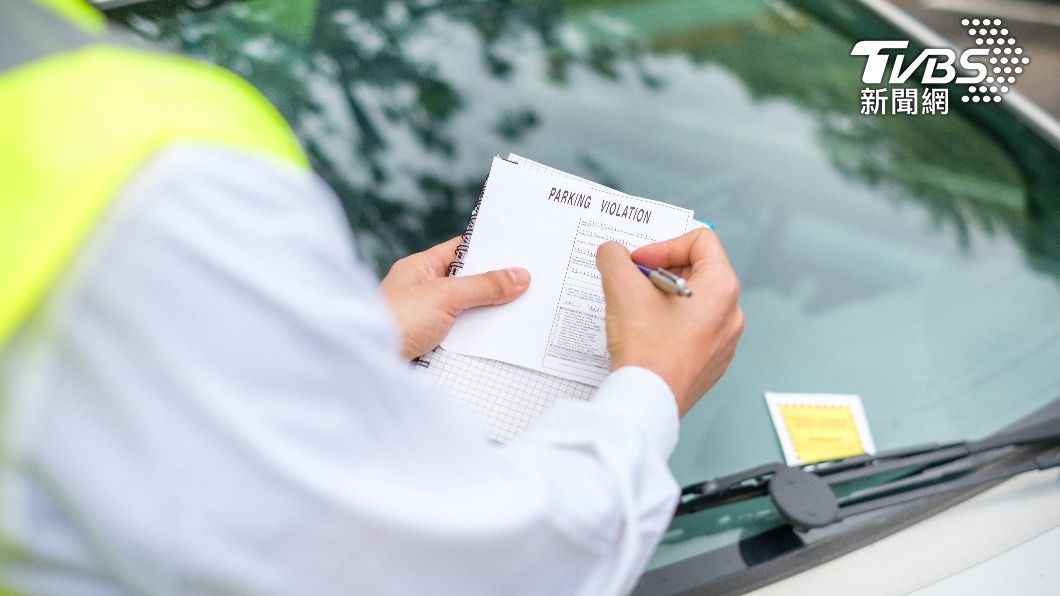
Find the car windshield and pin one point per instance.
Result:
(911, 260)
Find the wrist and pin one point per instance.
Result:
(669, 371)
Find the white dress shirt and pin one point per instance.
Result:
(211, 402)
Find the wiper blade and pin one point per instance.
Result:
(804, 497)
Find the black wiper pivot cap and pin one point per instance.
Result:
(803, 499)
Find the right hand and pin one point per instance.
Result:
(689, 342)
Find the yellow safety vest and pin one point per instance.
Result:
(79, 115)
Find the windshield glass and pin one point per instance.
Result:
(893, 257)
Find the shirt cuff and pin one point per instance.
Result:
(641, 396)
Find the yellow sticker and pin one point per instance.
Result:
(814, 427)
(820, 433)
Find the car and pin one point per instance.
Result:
(912, 260)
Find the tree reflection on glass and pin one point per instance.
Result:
(400, 142)
(373, 117)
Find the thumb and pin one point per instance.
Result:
(493, 287)
(617, 271)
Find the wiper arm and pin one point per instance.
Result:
(804, 497)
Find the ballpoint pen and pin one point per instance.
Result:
(667, 281)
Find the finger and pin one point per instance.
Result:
(485, 289)
(438, 257)
(445, 248)
(617, 271)
(698, 249)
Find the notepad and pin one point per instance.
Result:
(511, 363)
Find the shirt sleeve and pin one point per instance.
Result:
(219, 407)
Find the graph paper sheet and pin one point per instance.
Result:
(506, 397)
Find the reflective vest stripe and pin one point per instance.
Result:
(75, 125)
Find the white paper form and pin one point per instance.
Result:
(551, 224)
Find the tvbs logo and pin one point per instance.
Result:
(989, 68)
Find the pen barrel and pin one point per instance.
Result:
(668, 285)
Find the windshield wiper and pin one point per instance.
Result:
(804, 497)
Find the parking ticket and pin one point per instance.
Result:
(815, 427)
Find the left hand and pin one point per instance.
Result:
(426, 302)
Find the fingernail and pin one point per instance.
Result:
(706, 223)
(520, 277)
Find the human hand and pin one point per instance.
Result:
(689, 342)
(426, 302)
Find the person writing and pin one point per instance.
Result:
(204, 390)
